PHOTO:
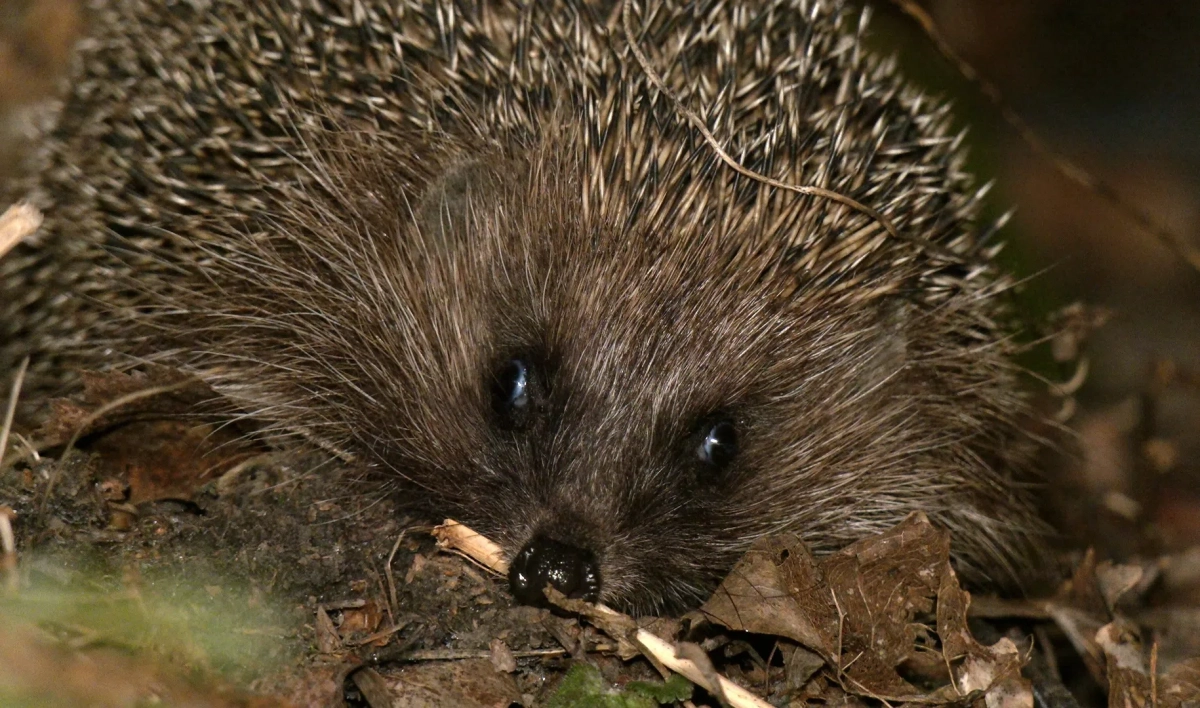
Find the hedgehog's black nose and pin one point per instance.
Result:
(571, 570)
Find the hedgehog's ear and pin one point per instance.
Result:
(451, 201)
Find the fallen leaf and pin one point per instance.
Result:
(151, 431)
(328, 641)
(502, 657)
(800, 665)
(111, 398)
(1114, 581)
(361, 620)
(1128, 679)
(1180, 687)
(866, 610)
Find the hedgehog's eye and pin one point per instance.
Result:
(719, 445)
(510, 390)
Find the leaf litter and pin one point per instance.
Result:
(882, 622)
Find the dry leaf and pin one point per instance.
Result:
(502, 657)
(112, 398)
(361, 620)
(862, 610)
(1180, 687)
(149, 432)
(1128, 680)
(328, 641)
(1114, 581)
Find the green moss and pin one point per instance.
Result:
(584, 687)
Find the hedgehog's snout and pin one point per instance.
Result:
(571, 570)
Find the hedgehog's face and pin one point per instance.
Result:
(619, 424)
(623, 412)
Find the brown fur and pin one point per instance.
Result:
(348, 237)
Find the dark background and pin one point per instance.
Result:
(1115, 86)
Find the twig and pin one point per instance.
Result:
(11, 412)
(449, 655)
(8, 550)
(1154, 674)
(17, 222)
(472, 545)
(664, 651)
(453, 536)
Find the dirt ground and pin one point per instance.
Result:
(154, 557)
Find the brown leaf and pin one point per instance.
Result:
(1082, 591)
(361, 620)
(987, 669)
(150, 432)
(168, 459)
(1011, 692)
(799, 664)
(995, 669)
(373, 687)
(1080, 609)
(328, 641)
(776, 588)
(862, 611)
(1180, 686)
(1114, 581)
(502, 657)
(1080, 628)
(1128, 679)
(881, 584)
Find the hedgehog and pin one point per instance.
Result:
(481, 251)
